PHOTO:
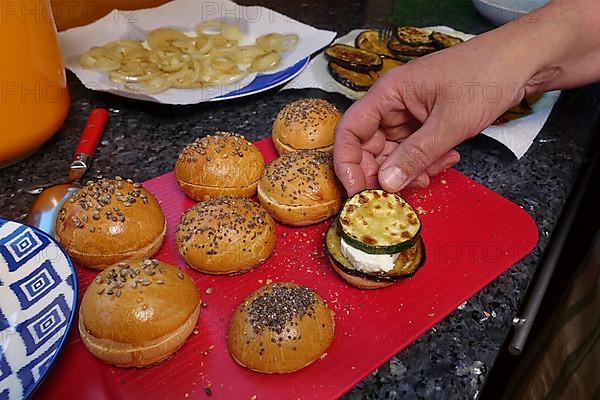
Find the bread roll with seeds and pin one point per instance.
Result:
(279, 328)
(138, 314)
(358, 281)
(223, 164)
(305, 124)
(300, 188)
(110, 220)
(226, 235)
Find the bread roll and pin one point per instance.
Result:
(137, 314)
(301, 188)
(223, 164)
(281, 327)
(358, 281)
(226, 235)
(306, 124)
(110, 220)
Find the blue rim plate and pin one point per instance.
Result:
(38, 299)
(264, 82)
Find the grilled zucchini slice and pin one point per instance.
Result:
(413, 36)
(352, 58)
(378, 222)
(408, 262)
(358, 81)
(520, 110)
(369, 41)
(404, 59)
(443, 41)
(397, 48)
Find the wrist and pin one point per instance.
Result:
(553, 41)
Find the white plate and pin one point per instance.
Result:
(184, 15)
(500, 12)
(266, 81)
(38, 297)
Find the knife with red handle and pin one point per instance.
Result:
(87, 143)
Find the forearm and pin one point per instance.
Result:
(562, 43)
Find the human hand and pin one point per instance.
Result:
(404, 129)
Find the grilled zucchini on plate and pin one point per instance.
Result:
(354, 80)
(402, 49)
(369, 41)
(412, 36)
(375, 240)
(353, 58)
(359, 67)
(443, 41)
(525, 107)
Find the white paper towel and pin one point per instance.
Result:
(184, 15)
(517, 134)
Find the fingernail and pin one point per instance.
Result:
(393, 179)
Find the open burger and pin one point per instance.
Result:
(375, 240)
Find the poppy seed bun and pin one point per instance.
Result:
(226, 235)
(223, 164)
(301, 188)
(305, 124)
(281, 327)
(110, 220)
(139, 313)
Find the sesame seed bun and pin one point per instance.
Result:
(226, 235)
(108, 221)
(138, 314)
(301, 188)
(223, 164)
(305, 124)
(279, 328)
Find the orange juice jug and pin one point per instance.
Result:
(34, 99)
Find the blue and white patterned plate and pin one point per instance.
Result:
(38, 296)
(264, 82)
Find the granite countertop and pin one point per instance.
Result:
(452, 359)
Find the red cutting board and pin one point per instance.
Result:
(472, 235)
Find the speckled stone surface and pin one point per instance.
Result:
(452, 359)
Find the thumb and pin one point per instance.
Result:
(415, 154)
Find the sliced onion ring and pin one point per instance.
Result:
(204, 44)
(156, 85)
(224, 64)
(170, 58)
(231, 32)
(266, 62)
(98, 58)
(162, 38)
(210, 27)
(122, 77)
(276, 42)
(246, 54)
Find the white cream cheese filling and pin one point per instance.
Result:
(366, 262)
